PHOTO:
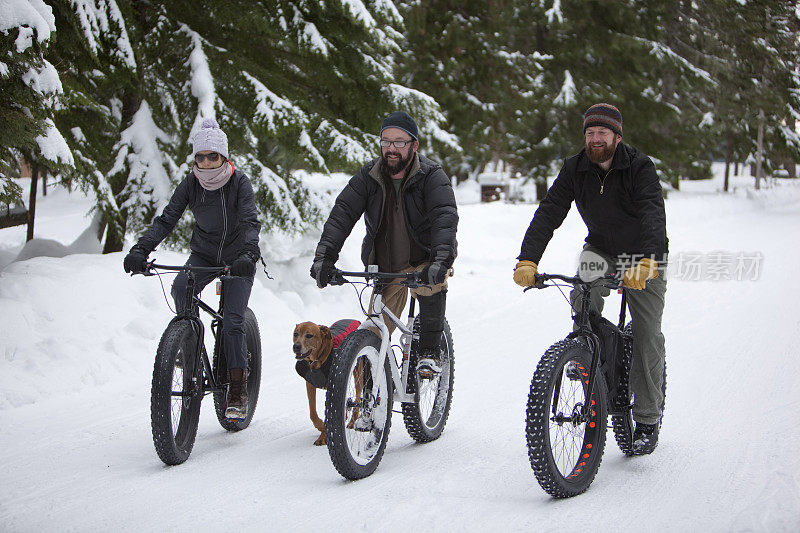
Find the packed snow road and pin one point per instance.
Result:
(78, 340)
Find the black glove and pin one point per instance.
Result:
(244, 266)
(433, 274)
(322, 270)
(135, 261)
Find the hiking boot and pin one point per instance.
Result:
(237, 394)
(429, 362)
(645, 438)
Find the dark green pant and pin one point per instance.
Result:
(646, 308)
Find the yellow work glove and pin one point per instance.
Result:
(636, 276)
(524, 273)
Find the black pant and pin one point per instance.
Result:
(236, 292)
(431, 319)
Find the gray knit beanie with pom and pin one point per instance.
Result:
(210, 137)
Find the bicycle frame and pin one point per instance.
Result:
(584, 327)
(192, 305)
(375, 319)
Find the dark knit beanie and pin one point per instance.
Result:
(605, 115)
(400, 119)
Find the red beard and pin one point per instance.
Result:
(600, 154)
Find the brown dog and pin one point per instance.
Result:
(313, 345)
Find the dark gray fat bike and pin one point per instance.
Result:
(365, 382)
(576, 386)
(183, 374)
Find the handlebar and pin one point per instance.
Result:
(611, 281)
(150, 266)
(410, 279)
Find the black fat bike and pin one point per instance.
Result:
(183, 373)
(365, 382)
(578, 383)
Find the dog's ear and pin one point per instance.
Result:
(325, 332)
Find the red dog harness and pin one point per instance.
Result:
(341, 329)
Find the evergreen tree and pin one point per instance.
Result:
(30, 90)
(296, 85)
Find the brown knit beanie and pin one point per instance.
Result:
(605, 115)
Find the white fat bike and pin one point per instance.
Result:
(364, 384)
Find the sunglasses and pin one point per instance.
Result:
(212, 157)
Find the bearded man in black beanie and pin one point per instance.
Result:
(411, 218)
(619, 197)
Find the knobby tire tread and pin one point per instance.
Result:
(538, 416)
(178, 334)
(335, 409)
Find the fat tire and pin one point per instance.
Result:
(336, 413)
(622, 420)
(582, 469)
(176, 364)
(220, 369)
(427, 428)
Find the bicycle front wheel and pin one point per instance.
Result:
(358, 406)
(565, 423)
(426, 416)
(175, 393)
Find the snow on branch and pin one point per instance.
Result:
(566, 96)
(274, 110)
(96, 18)
(661, 51)
(30, 17)
(53, 146)
(201, 82)
(348, 148)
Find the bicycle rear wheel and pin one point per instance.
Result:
(253, 341)
(358, 406)
(426, 416)
(176, 393)
(565, 449)
(622, 420)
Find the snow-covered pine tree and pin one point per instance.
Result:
(29, 93)
(296, 85)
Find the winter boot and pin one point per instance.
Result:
(429, 362)
(645, 438)
(237, 394)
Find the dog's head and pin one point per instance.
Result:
(312, 342)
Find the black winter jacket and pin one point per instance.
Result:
(428, 202)
(624, 211)
(226, 220)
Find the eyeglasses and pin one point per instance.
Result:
(212, 157)
(397, 144)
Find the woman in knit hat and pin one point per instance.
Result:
(225, 233)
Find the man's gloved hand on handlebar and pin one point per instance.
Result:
(525, 273)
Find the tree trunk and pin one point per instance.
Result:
(44, 183)
(728, 157)
(32, 201)
(736, 168)
(541, 188)
(760, 152)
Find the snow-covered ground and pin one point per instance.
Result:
(78, 338)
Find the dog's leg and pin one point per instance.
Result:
(311, 391)
(358, 381)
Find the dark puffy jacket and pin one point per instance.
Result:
(226, 220)
(624, 211)
(428, 202)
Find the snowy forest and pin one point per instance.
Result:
(104, 95)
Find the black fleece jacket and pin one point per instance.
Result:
(623, 210)
(226, 220)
